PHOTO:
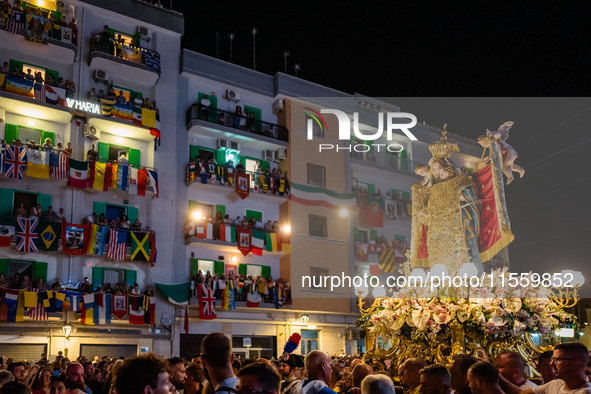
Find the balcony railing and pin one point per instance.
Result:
(259, 183)
(38, 91)
(127, 52)
(230, 119)
(386, 160)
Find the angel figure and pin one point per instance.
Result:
(509, 154)
(425, 172)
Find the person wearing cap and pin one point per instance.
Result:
(289, 364)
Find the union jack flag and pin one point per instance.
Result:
(206, 303)
(15, 162)
(58, 166)
(26, 235)
(2, 155)
(117, 244)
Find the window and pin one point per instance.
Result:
(34, 70)
(363, 236)
(317, 226)
(27, 135)
(317, 131)
(316, 175)
(29, 199)
(309, 341)
(254, 270)
(115, 152)
(114, 276)
(317, 274)
(205, 266)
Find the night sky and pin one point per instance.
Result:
(414, 54)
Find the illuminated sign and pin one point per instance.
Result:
(565, 332)
(84, 106)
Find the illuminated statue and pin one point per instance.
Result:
(460, 217)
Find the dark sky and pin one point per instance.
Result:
(440, 49)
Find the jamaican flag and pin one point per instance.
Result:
(49, 234)
(140, 246)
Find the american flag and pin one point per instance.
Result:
(15, 162)
(38, 313)
(117, 245)
(39, 92)
(207, 303)
(58, 166)
(26, 235)
(16, 23)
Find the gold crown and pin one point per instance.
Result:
(443, 148)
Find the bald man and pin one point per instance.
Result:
(410, 375)
(355, 362)
(360, 371)
(511, 366)
(319, 369)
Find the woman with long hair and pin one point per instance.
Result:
(102, 221)
(42, 381)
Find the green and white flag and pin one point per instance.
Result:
(78, 174)
(175, 294)
(321, 197)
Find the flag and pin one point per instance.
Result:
(153, 181)
(59, 298)
(54, 95)
(136, 312)
(228, 296)
(2, 149)
(243, 238)
(26, 234)
(38, 312)
(151, 119)
(49, 234)
(87, 309)
(117, 244)
(15, 162)
(140, 243)
(374, 269)
(20, 86)
(114, 175)
(75, 238)
(253, 298)
(201, 230)
(96, 245)
(285, 243)
(98, 182)
(361, 251)
(122, 111)
(387, 260)
(371, 211)
(120, 306)
(16, 23)
(318, 196)
(149, 310)
(107, 106)
(258, 242)
(151, 59)
(93, 230)
(273, 242)
(78, 174)
(137, 116)
(137, 181)
(122, 177)
(242, 184)
(206, 303)
(227, 233)
(7, 230)
(13, 308)
(72, 301)
(45, 298)
(104, 308)
(153, 251)
(39, 92)
(58, 166)
(38, 164)
(177, 294)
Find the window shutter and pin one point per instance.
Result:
(44, 200)
(194, 268)
(404, 162)
(218, 267)
(373, 234)
(193, 152)
(4, 267)
(11, 133)
(47, 134)
(371, 189)
(220, 156)
(103, 150)
(40, 270)
(134, 157)
(132, 214)
(130, 277)
(355, 234)
(193, 205)
(6, 201)
(241, 270)
(220, 208)
(265, 271)
(254, 214)
(264, 165)
(99, 207)
(405, 195)
(97, 276)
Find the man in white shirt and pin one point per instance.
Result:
(570, 360)
(511, 366)
(217, 359)
(205, 103)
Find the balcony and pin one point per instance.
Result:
(259, 189)
(129, 63)
(238, 127)
(385, 161)
(60, 45)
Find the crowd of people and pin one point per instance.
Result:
(120, 98)
(267, 288)
(37, 77)
(215, 369)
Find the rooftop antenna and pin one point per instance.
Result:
(254, 32)
(285, 55)
(297, 68)
(231, 36)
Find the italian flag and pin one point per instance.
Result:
(321, 197)
(227, 234)
(78, 174)
(258, 242)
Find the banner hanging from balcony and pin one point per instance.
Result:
(15, 162)
(49, 234)
(140, 246)
(75, 238)
(78, 174)
(38, 164)
(20, 86)
(7, 230)
(26, 234)
(37, 29)
(242, 184)
(175, 294)
(371, 211)
(243, 236)
(120, 307)
(321, 197)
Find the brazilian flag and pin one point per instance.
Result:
(140, 246)
(49, 234)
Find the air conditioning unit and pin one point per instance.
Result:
(101, 76)
(145, 33)
(61, 7)
(281, 154)
(91, 132)
(278, 107)
(232, 95)
(352, 335)
(268, 155)
(223, 144)
(234, 145)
